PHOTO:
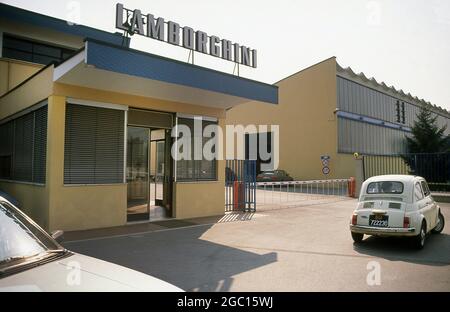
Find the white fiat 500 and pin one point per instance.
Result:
(396, 205)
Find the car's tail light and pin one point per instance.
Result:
(354, 219)
(406, 222)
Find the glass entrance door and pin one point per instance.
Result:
(148, 174)
(138, 174)
(160, 172)
(160, 181)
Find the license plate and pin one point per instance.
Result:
(378, 220)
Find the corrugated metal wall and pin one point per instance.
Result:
(354, 136)
(364, 138)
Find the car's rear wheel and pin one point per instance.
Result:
(357, 237)
(419, 240)
(441, 223)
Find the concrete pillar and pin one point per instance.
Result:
(55, 151)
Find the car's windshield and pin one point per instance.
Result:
(385, 187)
(19, 238)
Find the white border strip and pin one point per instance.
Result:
(181, 115)
(97, 104)
(125, 141)
(68, 65)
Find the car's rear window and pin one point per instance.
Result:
(385, 187)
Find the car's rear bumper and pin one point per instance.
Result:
(371, 230)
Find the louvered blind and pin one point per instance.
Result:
(23, 147)
(196, 170)
(6, 149)
(94, 140)
(40, 145)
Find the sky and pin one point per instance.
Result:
(405, 43)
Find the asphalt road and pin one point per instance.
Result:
(308, 248)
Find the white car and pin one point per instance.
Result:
(32, 260)
(396, 205)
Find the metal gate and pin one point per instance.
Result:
(240, 185)
(434, 167)
(290, 194)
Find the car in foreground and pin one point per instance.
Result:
(32, 260)
(396, 205)
(274, 176)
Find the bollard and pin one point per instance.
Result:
(238, 195)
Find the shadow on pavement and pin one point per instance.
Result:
(435, 253)
(179, 257)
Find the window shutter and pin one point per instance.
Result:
(6, 149)
(23, 148)
(93, 145)
(196, 170)
(40, 145)
(109, 146)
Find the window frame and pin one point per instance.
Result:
(425, 189)
(34, 45)
(421, 192)
(383, 193)
(96, 106)
(196, 165)
(36, 149)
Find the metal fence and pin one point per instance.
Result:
(434, 167)
(273, 195)
(240, 185)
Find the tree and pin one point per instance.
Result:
(427, 137)
(428, 148)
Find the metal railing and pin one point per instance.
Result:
(434, 167)
(272, 195)
(240, 185)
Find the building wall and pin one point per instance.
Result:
(77, 207)
(33, 198)
(39, 88)
(13, 72)
(97, 206)
(134, 101)
(356, 98)
(307, 122)
(41, 34)
(365, 138)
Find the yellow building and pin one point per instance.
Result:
(85, 125)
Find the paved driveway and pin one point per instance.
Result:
(294, 249)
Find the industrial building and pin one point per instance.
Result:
(327, 113)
